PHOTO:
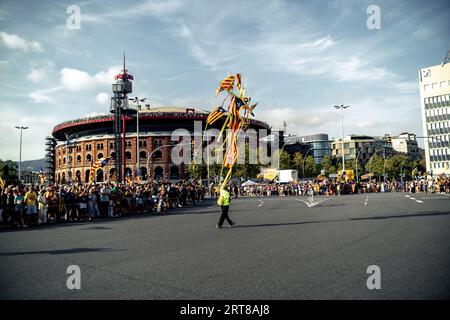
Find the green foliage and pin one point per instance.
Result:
(311, 168)
(9, 172)
(297, 161)
(328, 165)
(285, 160)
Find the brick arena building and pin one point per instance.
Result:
(83, 140)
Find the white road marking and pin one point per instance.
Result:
(365, 203)
(412, 198)
(312, 204)
(259, 205)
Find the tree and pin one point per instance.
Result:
(196, 171)
(285, 159)
(9, 172)
(350, 164)
(375, 165)
(311, 168)
(297, 162)
(327, 165)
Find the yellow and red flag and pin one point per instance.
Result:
(226, 84)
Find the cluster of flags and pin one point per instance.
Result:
(100, 163)
(234, 121)
(42, 179)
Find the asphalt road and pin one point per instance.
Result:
(280, 248)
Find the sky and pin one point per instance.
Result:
(297, 59)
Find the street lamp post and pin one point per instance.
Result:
(159, 148)
(342, 107)
(20, 150)
(401, 171)
(138, 109)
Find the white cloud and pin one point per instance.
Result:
(77, 80)
(102, 97)
(40, 71)
(41, 96)
(40, 125)
(35, 75)
(15, 42)
(147, 8)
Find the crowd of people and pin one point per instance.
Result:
(329, 187)
(23, 206)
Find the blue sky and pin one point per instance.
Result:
(298, 58)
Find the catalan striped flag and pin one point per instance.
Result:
(41, 176)
(100, 163)
(137, 175)
(2, 183)
(92, 172)
(215, 115)
(232, 150)
(238, 80)
(226, 84)
(129, 179)
(234, 110)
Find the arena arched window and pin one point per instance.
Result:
(142, 155)
(128, 155)
(100, 155)
(111, 145)
(158, 154)
(78, 158)
(64, 160)
(113, 155)
(88, 158)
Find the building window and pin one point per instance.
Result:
(88, 158)
(158, 154)
(128, 155)
(78, 158)
(100, 155)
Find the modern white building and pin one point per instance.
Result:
(406, 143)
(435, 104)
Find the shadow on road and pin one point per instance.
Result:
(55, 252)
(419, 214)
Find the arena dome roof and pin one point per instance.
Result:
(103, 123)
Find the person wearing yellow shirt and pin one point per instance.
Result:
(31, 202)
(224, 203)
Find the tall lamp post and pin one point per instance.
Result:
(21, 128)
(342, 107)
(149, 158)
(138, 109)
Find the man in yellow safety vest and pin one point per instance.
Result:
(224, 203)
